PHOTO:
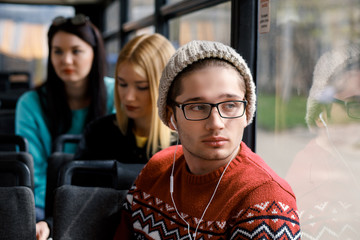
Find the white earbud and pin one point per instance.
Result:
(322, 120)
(172, 122)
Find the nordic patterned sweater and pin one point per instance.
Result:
(251, 202)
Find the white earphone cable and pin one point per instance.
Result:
(342, 159)
(207, 206)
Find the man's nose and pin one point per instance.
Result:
(215, 121)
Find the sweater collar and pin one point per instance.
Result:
(214, 175)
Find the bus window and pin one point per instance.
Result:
(112, 24)
(308, 121)
(23, 44)
(209, 24)
(140, 8)
(112, 51)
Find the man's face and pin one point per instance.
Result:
(211, 142)
(344, 123)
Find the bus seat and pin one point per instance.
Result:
(12, 142)
(17, 208)
(10, 80)
(90, 213)
(16, 163)
(12, 85)
(7, 121)
(99, 173)
(55, 162)
(89, 173)
(17, 205)
(85, 208)
(63, 139)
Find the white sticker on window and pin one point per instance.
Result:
(264, 16)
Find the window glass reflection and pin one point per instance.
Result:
(308, 77)
(208, 24)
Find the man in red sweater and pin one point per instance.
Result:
(212, 186)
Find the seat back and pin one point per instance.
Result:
(99, 173)
(85, 208)
(90, 213)
(14, 173)
(64, 139)
(127, 174)
(55, 163)
(12, 142)
(15, 80)
(17, 169)
(12, 86)
(4, 82)
(7, 121)
(91, 173)
(17, 205)
(17, 208)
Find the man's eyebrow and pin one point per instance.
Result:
(226, 95)
(193, 99)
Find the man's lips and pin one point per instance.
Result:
(215, 141)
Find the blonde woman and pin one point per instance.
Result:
(135, 132)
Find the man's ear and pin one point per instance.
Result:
(321, 120)
(171, 122)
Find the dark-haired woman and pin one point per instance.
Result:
(75, 92)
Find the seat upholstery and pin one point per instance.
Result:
(17, 205)
(17, 209)
(55, 163)
(92, 210)
(86, 212)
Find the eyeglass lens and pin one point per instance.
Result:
(353, 109)
(200, 111)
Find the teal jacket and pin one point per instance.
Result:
(30, 123)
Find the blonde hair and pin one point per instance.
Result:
(148, 54)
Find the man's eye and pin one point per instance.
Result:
(230, 105)
(197, 107)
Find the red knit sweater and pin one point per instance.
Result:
(252, 201)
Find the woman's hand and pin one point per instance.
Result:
(42, 230)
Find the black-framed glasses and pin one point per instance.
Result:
(352, 107)
(202, 111)
(78, 19)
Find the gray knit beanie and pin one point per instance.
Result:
(195, 51)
